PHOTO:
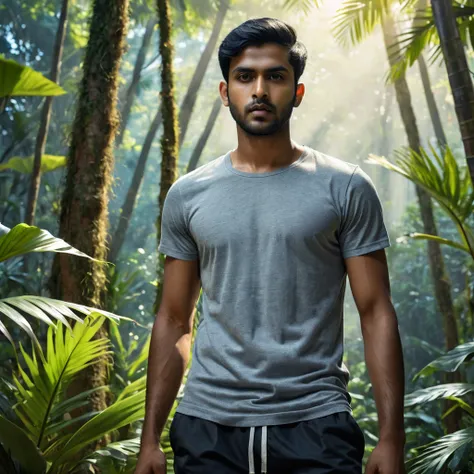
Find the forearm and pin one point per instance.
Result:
(169, 355)
(384, 358)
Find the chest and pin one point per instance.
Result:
(259, 214)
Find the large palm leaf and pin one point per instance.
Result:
(450, 450)
(447, 391)
(43, 383)
(451, 361)
(442, 178)
(424, 35)
(356, 20)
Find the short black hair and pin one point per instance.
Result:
(256, 32)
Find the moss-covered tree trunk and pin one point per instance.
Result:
(459, 74)
(169, 140)
(137, 72)
(46, 116)
(84, 218)
(441, 283)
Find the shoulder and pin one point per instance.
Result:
(200, 176)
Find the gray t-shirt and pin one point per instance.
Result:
(271, 249)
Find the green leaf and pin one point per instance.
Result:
(304, 5)
(119, 414)
(436, 392)
(22, 448)
(24, 239)
(440, 240)
(450, 361)
(68, 353)
(434, 458)
(19, 80)
(25, 165)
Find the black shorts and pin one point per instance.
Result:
(333, 444)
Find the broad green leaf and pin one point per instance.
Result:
(434, 458)
(19, 80)
(24, 239)
(436, 392)
(21, 447)
(121, 451)
(450, 361)
(25, 165)
(142, 357)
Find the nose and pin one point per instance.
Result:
(260, 88)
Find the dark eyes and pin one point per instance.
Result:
(246, 77)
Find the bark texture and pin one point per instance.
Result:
(42, 136)
(458, 73)
(84, 218)
(440, 278)
(170, 138)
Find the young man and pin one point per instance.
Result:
(270, 231)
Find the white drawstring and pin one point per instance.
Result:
(264, 450)
(251, 441)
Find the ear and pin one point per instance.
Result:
(300, 90)
(223, 92)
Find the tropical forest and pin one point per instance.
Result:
(104, 104)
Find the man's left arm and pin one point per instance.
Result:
(369, 280)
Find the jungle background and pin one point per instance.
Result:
(104, 103)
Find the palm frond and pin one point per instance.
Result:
(443, 180)
(47, 310)
(356, 20)
(119, 414)
(435, 457)
(68, 352)
(304, 5)
(24, 239)
(451, 361)
(437, 392)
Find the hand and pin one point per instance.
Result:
(386, 458)
(151, 460)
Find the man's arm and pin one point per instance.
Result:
(369, 280)
(169, 349)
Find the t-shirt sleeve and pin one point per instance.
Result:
(176, 240)
(362, 227)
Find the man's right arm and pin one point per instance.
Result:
(170, 348)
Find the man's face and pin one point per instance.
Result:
(261, 89)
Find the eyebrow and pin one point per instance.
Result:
(270, 69)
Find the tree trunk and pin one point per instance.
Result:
(137, 71)
(458, 74)
(430, 99)
(170, 138)
(189, 100)
(46, 116)
(216, 108)
(83, 220)
(134, 189)
(186, 109)
(420, 20)
(442, 285)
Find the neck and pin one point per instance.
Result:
(260, 154)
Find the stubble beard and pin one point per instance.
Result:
(271, 128)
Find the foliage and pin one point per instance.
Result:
(19, 80)
(451, 453)
(443, 179)
(25, 165)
